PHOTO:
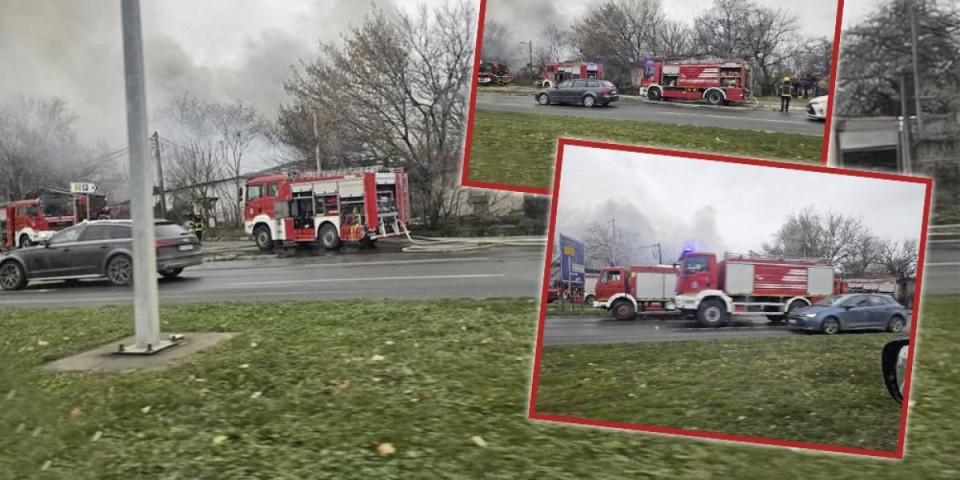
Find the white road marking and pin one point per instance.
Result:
(363, 279)
(943, 264)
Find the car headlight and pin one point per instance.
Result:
(810, 315)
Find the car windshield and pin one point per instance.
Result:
(830, 301)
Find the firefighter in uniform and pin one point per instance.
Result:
(786, 91)
(196, 224)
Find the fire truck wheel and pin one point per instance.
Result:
(261, 235)
(329, 238)
(714, 97)
(895, 324)
(543, 99)
(120, 270)
(712, 313)
(623, 310)
(12, 276)
(25, 241)
(589, 300)
(830, 325)
(654, 94)
(589, 101)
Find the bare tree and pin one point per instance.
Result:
(767, 35)
(406, 78)
(899, 258)
(237, 127)
(808, 233)
(721, 30)
(674, 39)
(556, 44)
(192, 170)
(620, 33)
(39, 148)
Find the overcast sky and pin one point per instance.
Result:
(719, 206)
(218, 49)
(817, 17)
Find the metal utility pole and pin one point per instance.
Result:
(905, 126)
(613, 223)
(916, 68)
(146, 308)
(530, 47)
(316, 134)
(156, 157)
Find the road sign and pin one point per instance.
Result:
(571, 260)
(76, 187)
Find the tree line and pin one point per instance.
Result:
(392, 91)
(621, 33)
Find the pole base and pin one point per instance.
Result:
(150, 349)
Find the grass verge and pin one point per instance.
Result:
(812, 388)
(520, 148)
(450, 370)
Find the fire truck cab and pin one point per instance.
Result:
(27, 222)
(354, 205)
(718, 83)
(554, 73)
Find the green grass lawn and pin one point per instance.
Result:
(813, 389)
(337, 379)
(520, 149)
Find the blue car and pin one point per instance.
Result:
(854, 311)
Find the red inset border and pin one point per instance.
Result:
(465, 166)
(915, 316)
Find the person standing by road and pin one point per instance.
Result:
(196, 225)
(786, 91)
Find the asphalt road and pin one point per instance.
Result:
(501, 272)
(702, 116)
(607, 330)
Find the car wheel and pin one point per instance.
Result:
(714, 98)
(589, 101)
(261, 235)
(329, 237)
(654, 94)
(172, 273)
(543, 99)
(830, 326)
(12, 276)
(623, 310)
(120, 270)
(712, 313)
(25, 241)
(895, 324)
(589, 299)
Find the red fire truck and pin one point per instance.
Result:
(640, 288)
(492, 73)
(717, 83)
(751, 285)
(26, 222)
(554, 73)
(353, 205)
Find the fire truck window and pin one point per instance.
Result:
(611, 277)
(649, 71)
(696, 264)
(254, 192)
(579, 84)
(271, 190)
(67, 236)
(592, 83)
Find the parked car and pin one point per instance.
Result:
(97, 249)
(817, 108)
(838, 313)
(587, 92)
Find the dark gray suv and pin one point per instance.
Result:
(581, 91)
(97, 249)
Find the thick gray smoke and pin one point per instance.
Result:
(73, 50)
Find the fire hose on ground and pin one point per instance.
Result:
(466, 244)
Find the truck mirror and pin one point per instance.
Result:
(893, 362)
